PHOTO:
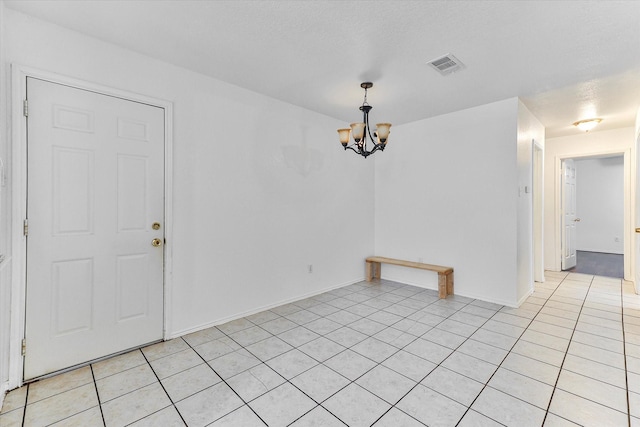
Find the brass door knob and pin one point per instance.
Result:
(577, 220)
(156, 242)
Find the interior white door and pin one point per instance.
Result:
(569, 219)
(95, 188)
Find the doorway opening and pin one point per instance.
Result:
(593, 215)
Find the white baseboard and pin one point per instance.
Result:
(408, 282)
(499, 301)
(216, 322)
(524, 298)
(508, 303)
(4, 388)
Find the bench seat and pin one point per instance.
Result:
(445, 274)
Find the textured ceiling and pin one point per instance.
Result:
(567, 60)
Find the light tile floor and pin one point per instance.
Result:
(383, 354)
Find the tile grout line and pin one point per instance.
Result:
(595, 361)
(92, 381)
(163, 388)
(509, 352)
(348, 348)
(224, 381)
(414, 340)
(318, 404)
(26, 401)
(95, 384)
(466, 339)
(440, 363)
(591, 287)
(498, 367)
(286, 381)
(393, 405)
(624, 351)
(555, 386)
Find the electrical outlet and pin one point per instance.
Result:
(310, 268)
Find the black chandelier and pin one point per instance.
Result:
(360, 131)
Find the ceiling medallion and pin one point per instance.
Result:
(362, 129)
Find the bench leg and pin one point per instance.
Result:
(372, 270)
(442, 285)
(450, 283)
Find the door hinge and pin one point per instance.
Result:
(24, 346)
(25, 108)
(25, 227)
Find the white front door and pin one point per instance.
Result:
(95, 188)
(568, 214)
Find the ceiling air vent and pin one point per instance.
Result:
(446, 64)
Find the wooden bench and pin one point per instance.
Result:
(445, 274)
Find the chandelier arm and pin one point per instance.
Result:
(376, 147)
(350, 147)
(363, 151)
(366, 124)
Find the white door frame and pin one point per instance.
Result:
(629, 210)
(19, 76)
(538, 210)
(636, 189)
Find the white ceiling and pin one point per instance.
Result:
(567, 60)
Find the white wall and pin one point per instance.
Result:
(636, 215)
(261, 188)
(585, 144)
(600, 204)
(5, 268)
(446, 193)
(529, 129)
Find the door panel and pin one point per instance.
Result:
(72, 191)
(132, 197)
(568, 214)
(133, 286)
(71, 281)
(95, 187)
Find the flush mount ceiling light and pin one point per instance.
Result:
(587, 125)
(362, 129)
